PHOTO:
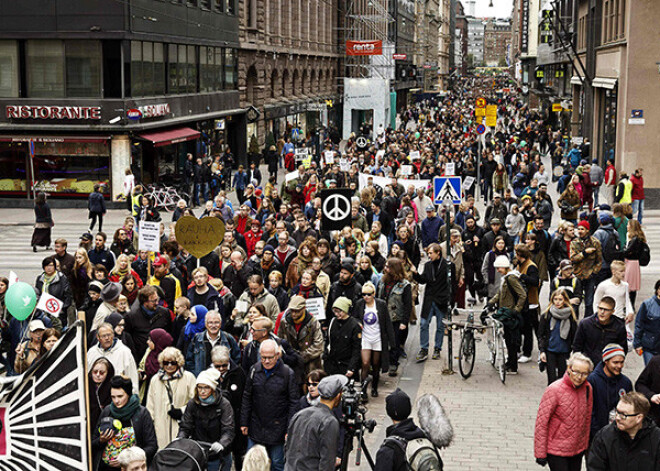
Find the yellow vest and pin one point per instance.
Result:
(135, 203)
(627, 192)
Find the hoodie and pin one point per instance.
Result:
(607, 391)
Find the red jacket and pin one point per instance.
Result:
(638, 187)
(251, 240)
(564, 419)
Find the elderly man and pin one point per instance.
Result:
(235, 277)
(314, 431)
(110, 296)
(269, 402)
(116, 352)
(145, 316)
(133, 459)
(256, 293)
(303, 332)
(198, 356)
(262, 330)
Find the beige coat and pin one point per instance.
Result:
(158, 403)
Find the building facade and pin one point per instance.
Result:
(288, 65)
(497, 40)
(475, 40)
(102, 86)
(460, 40)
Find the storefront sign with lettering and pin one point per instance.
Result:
(153, 111)
(53, 112)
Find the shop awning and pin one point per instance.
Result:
(49, 139)
(172, 136)
(602, 82)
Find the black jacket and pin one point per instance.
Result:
(269, 403)
(104, 257)
(390, 457)
(59, 288)
(614, 450)
(352, 291)
(385, 221)
(210, 261)
(489, 239)
(139, 325)
(145, 435)
(438, 290)
(387, 334)
(96, 203)
(212, 423)
(556, 254)
(591, 336)
(342, 351)
(648, 384)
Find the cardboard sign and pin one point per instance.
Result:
(406, 170)
(199, 236)
(149, 236)
(450, 168)
(307, 161)
(344, 165)
(291, 176)
(329, 157)
(414, 155)
(335, 209)
(467, 182)
(316, 307)
(50, 304)
(301, 153)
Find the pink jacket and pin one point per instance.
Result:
(564, 419)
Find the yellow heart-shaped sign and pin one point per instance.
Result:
(199, 236)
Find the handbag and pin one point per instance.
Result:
(124, 438)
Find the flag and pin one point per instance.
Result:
(50, 304)
(43, 415)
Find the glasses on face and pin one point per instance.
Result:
(312, 384)
(625, 416)
(579, 374)
(367, 294)
(252, 329)
(170, 363)
(268, 358)
(221, 366)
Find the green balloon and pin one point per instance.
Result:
(417, 135)
(20, 300)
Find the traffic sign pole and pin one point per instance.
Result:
(478, 182)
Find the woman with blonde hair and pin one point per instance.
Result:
(557, 327)
(122, 269)
(169, 392)
(636, 245)
(81, 275)
(256, 459)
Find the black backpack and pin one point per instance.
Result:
(612, 246)
(644, 254)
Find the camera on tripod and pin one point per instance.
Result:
(354, 422)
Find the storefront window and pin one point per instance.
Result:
(8, 69)
(45, 69)
(83, 68)
(231, 69)
(608, 123)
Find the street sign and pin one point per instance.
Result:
(335, 209)
(556, 107)
(480, 103)
(491, 121)
(491, 110)
(447, 189)
(481, 129)
(480, 112)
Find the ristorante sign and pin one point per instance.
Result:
(364, 48)
(53, 112)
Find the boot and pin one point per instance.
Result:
(374, 382)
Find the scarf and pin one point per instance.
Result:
(127, 412)
(562, 315)
(47, 281)
(161, 340)
(193, 328)
(313, 401)
(374, 236)
(208, 401)
(121, 273)
(266, 265)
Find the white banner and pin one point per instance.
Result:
(149, 236)
(382, 181)
(316, 307)
(414, 155)
(291, 176)
(467, 182)
(450, 169)
(329, 157)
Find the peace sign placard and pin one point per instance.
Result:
(336, 209)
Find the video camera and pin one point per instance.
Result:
(353, 421)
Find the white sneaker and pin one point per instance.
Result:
(524, 359)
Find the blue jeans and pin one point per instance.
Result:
(275, 453)
(200, 189)
(596, 190)
(638, 207)
(222, 463)
(589, 287)
(647, 356)
(439, 328)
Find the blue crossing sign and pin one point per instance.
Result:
(447, 189)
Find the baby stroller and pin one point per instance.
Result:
(181, 455)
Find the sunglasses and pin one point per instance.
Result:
(170, 363)
(311, 383)
(221, 365)
(368, 294)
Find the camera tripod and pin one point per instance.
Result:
(355, 429)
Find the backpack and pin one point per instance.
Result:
(612, 247)
(420, 453)
(644, 254)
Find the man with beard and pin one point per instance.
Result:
(267, 264)
(346, 286)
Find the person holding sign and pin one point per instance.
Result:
(303, 332)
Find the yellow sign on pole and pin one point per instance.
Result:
(491, 110)
(556, 107)
(480, 112)
(491, 121)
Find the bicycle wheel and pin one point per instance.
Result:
(466, 354)
(501, 358)
(490, 341)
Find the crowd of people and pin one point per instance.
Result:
(229, 348)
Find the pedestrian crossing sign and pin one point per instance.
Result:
(447, 189)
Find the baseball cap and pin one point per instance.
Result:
(429, 209)
(158, 261)
(37, 324)
(86, 236)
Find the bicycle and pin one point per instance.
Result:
(496, 345)
(165, 197)
(467, 350)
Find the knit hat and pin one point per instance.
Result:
(111, 292)
(209, 377)
(612, 350)
(343, 304)
(269, 248)
(349, 267)
(502, 261)
(584, 224)
(95, 286)
(564, 264)
(397, 405)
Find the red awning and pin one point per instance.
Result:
(172, 136)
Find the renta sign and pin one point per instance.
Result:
(53, 112)
(364, 48)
